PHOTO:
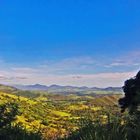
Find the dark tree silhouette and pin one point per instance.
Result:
(8, 113)
(131, 89)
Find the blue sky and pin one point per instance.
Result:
(73, 42)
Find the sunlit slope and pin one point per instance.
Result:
(107, 100)
(35, 114)
(53, 114)
(7, 89)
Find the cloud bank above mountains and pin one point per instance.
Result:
(80, 71)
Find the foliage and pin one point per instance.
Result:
(131, 89)
(8, 112)
(120, 126)
(53, 118)
(18, 133)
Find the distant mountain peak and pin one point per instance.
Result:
(58, 88)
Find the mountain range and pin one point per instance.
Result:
(59, 88)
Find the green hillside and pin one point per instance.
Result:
(54, 116)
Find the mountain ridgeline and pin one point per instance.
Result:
(69, 89)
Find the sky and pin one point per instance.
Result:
(74, 42)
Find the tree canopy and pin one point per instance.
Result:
(131, 89)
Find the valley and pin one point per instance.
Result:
(58, 115)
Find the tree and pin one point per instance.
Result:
(8, 113)
(131, 100)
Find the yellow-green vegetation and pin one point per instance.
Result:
(63, 117)
(59, 116)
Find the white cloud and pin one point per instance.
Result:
(24, 70)
(130, 59)
(69, 65)
(99, 80)
(68, 72)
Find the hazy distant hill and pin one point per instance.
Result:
(66, 89)
(31, 87)
(7, 89)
